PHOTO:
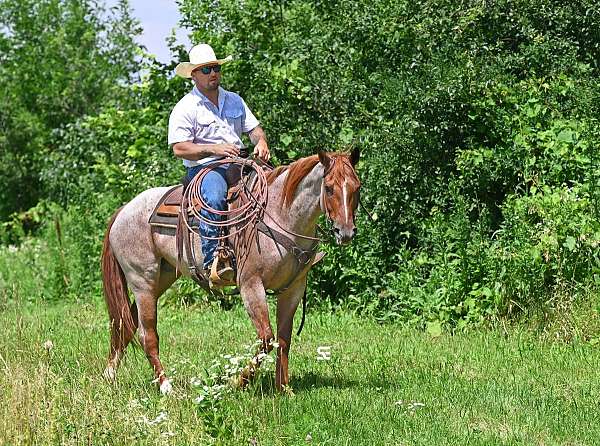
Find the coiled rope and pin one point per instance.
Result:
(232, 221)
(249, 213)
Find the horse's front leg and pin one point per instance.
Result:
(255, 301)
(287, 303)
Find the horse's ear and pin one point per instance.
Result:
(355, 156)
(325, 160)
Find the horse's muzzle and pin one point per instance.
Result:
(345, 235)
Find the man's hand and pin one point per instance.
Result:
(261, 151)
(227, 150)
(259, 139)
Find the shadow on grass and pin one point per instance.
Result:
(309, 381)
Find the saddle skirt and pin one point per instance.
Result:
(166, 211)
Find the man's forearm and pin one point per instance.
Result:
(257, 134)
(191, 151)
(194, 152)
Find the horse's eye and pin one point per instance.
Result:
(329, 190)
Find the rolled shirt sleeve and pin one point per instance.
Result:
(181, 125)
(250, 121)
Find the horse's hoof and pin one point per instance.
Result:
(110, 374)
(166, 387)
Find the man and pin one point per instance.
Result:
(207, 125)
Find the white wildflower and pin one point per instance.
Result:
(162, 416)
(48, 345)
(414, 406)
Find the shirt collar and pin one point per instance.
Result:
(203, 98)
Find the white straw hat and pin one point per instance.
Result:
(200, 55)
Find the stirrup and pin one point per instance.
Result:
(221, 273)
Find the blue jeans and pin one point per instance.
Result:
(214, 193)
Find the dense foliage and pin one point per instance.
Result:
(59, 60)
(478, 125)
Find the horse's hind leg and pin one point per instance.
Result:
(146, 302)
(119, 340)
(147, 285)
(146, 298)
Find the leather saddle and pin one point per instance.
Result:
(166, 212)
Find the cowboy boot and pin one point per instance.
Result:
(221, 272)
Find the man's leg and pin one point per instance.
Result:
(214, 193)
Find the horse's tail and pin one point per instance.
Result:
(122, 313)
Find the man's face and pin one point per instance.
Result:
(207, 77)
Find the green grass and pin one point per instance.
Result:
(476, 388)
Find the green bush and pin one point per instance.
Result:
(478, 129)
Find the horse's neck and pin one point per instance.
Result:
(299, 216)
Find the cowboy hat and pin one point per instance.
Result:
(200, 55)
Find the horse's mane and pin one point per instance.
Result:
(296, 172)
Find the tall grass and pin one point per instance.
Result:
(383, 384)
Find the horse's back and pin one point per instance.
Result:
(131, 232)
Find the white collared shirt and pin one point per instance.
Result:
(194, 118)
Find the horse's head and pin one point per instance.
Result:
(340, 192)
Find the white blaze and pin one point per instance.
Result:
(345, 198)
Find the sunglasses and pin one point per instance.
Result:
(207, 70)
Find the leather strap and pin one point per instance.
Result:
(184, 244)
(304, 256)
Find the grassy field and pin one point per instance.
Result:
(384, 385)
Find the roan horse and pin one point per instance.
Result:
(140, 257)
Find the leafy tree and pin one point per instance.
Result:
(478, 128)
(59, 60)
(459, 107)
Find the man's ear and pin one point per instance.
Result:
(355, 156)
(325, 160)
